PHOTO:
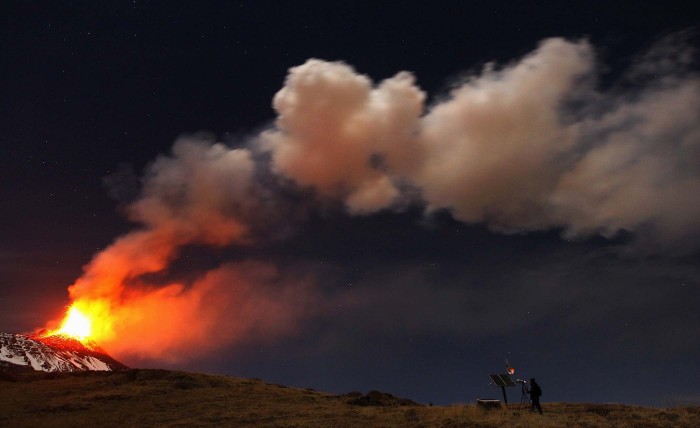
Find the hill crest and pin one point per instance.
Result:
(151, 397)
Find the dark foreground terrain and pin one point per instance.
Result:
(168, 398)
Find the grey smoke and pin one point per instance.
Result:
(531, 145)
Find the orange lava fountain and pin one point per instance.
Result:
(85, 321)
(76, 325)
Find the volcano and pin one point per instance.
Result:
(55, 353)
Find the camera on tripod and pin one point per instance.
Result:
(521, 381)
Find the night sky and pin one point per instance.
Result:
(416, 287)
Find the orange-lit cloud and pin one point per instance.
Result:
(233, 303)
(202, 194)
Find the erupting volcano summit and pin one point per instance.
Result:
(53, 353)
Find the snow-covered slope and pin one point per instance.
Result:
(53, 354)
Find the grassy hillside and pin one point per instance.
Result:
(169, 398)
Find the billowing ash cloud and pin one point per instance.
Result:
(530, 145)
(335, 131)
(493, 151)
(204, 193)
(200, 194)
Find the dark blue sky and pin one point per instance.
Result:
(419, 305)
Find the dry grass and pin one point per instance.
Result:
(167, 398)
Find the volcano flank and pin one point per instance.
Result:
(54, 353)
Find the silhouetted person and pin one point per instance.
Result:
(535, 393)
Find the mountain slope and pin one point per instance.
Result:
(155, 398)
(53, 354)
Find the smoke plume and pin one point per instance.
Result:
(203, 193)
(530, 145)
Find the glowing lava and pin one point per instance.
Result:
(76, 325)
(84, 323)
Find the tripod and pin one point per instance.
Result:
(524, 399)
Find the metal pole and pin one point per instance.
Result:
(505, 399)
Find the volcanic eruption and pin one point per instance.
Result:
(512, 148)
(66, 349)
